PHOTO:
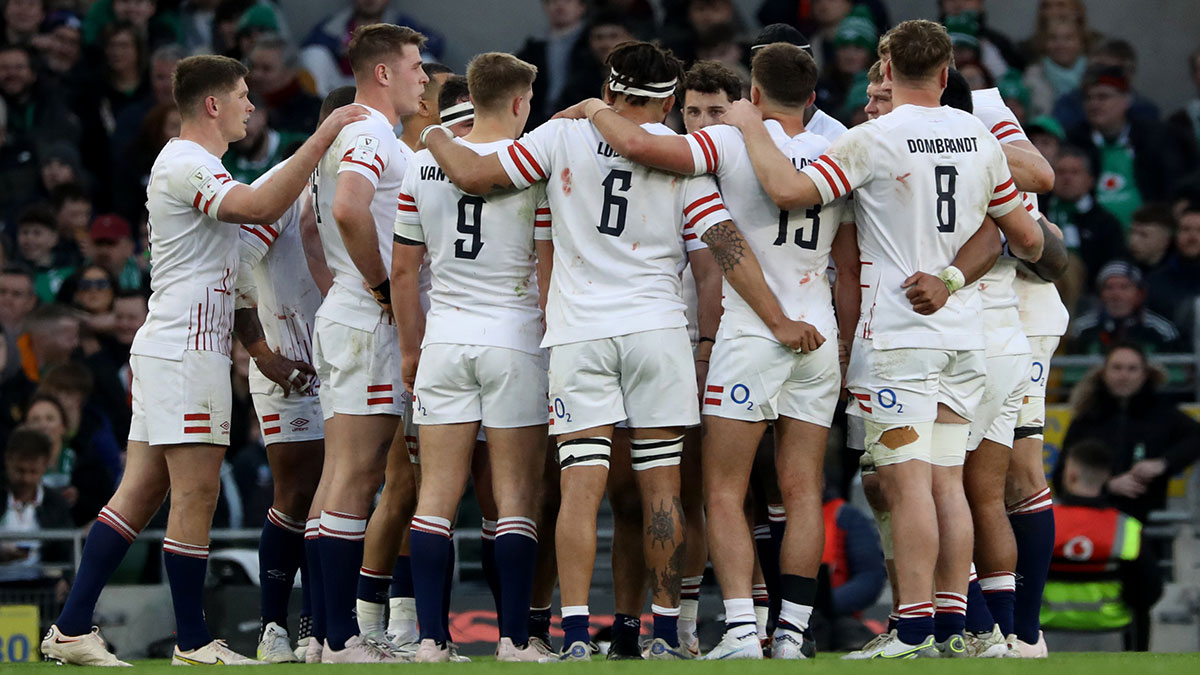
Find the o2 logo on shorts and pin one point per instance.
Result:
(560, 410)
(887, 400)
(738, 393)
(1039, 369)
(416, 403)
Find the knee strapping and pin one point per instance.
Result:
(584, 452)
(896, 443)
(1031, 417)
(655, 453)
(950, 444)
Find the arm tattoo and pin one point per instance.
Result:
(727, 245)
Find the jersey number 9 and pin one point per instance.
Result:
(470, 212)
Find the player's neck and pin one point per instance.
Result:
(793, 124)
(376, 99)
(490, 129)
(411, 133)
(207, 136)
(639, 114)
(923, 97)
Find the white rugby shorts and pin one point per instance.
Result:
(646, 378)
(904, 386)
(359, 370)
(1033, 412)
(753, 379)
(185, 401)
(502, 388)
(1003, 394)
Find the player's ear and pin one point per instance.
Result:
(943, 77)
(607, 95)
(812, 98)
(755, 94)
(210, 105)
(381, 73)
(668, 104)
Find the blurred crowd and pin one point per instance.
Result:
(86, 105)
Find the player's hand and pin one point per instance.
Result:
(741, 113)
(1126, 485)
(577, 111)
(799, 335)
(1148, 469)
(701, 377)
(408, 370)
(290, 375)
(926, 292)
(844, 358)
(338, 119)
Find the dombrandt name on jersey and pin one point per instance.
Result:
(941, 146)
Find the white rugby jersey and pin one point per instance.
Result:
(369, 148)
(274, 274)
(194, 256)
(485, 289)
(1040, 309)
(825, 125)
(792, 247)
(923, 180)
(618, 247)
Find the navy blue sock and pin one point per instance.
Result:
(402, 578)
(106, 545)
(306, 611)
(280, 550)
(431, 549)
(341, 545)
(315, 583)
(626, 630)
(487, 558)
(575, 629)
(892, 621)
(373, 586)
(448, 590)
(950, 617)
(768, 561)
(1034, 531)
(999, 590)
(539, 623)
(914, 623)
(979, 617)
(187, 565)
(515, 559)
(666, 624)
(777, 522)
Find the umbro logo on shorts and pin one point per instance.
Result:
(299, 424)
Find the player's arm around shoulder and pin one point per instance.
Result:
(628, 139)
(785, 186)
(1024, 236)
(470, 172)
(265, 203)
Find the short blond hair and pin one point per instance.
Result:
(494, 78)
(919, 49)
(875, 73)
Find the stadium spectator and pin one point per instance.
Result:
(17, 300)
(699, 19)
(91, 290)
(1185, 122)
(72, 213)
(721, 44)
(37, 239)
(60, 164)
(1135, 160)
(1150, 236)
(1120, 404)
(161, 124)
(996, 52)
(61, 46)
(1090, 232)
(1059, 69)
(809, 16)
(49, 338)
(1175, 286)
(111, 364)
(605, 30)
(74, 385)
(1122, 316)
(27, 506)
(262, 148)
(853, 558)
(112, 248)
(557, 55)
(1051, 12)
(75, 471)
(155, 27)
(324, 53)
(1047, 136)
(196, 25)
(638, 13)
(1119, 54)
(275, 79)
(854, 52)
(21, 19)
(1095, 545)
(35, 111)
(129, 121)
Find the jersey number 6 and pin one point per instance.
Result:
(616, 181)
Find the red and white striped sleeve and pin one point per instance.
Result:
(364, 156)
(1005, 196)
(709, 147)
(834, 175)
(407, 227)
(542, 221)
(527, 159)
(1008, 131)
(703, 208)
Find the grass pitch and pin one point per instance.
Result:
(1059, 664)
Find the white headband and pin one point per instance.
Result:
(458, 113)
(619, 84)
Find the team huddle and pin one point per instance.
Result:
(600, 304)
